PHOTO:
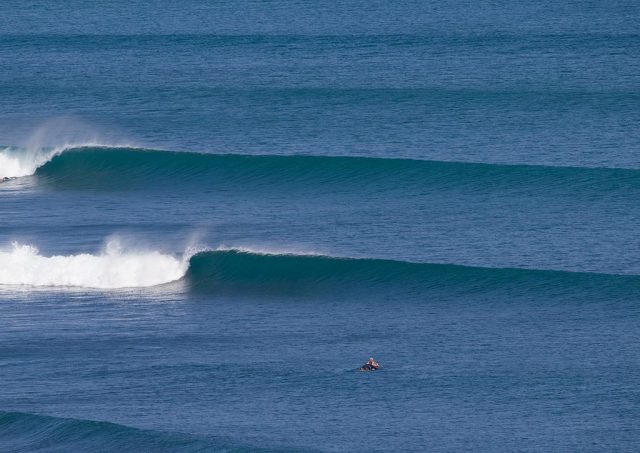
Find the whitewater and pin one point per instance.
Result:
(14, 164)
(110, 269)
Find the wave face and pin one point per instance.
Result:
(240, 271)
(21, 431)
(113, 268)
(130, 168)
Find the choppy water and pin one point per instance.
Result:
(213, 213)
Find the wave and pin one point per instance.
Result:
(225, 270)
(245, 271)
(109, 168)
(20, 431)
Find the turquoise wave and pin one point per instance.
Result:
(128, 169)
(239, 271)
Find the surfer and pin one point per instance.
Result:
(371, 365)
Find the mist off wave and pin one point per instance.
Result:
(23, 264)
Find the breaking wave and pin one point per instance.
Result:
(246, 271)
(110, 168)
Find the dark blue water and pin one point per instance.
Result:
(214, 212)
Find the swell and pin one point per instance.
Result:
(21, 431)
(128, 168)
(242, 271)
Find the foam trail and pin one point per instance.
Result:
(110, 269)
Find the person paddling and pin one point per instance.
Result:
(371, 365)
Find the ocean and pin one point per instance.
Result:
(213, 213)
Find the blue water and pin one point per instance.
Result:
(215, 212)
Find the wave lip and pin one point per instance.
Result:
(111, 269)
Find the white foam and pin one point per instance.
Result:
(112, 268)
(15, 164)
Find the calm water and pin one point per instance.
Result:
(217, 211)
